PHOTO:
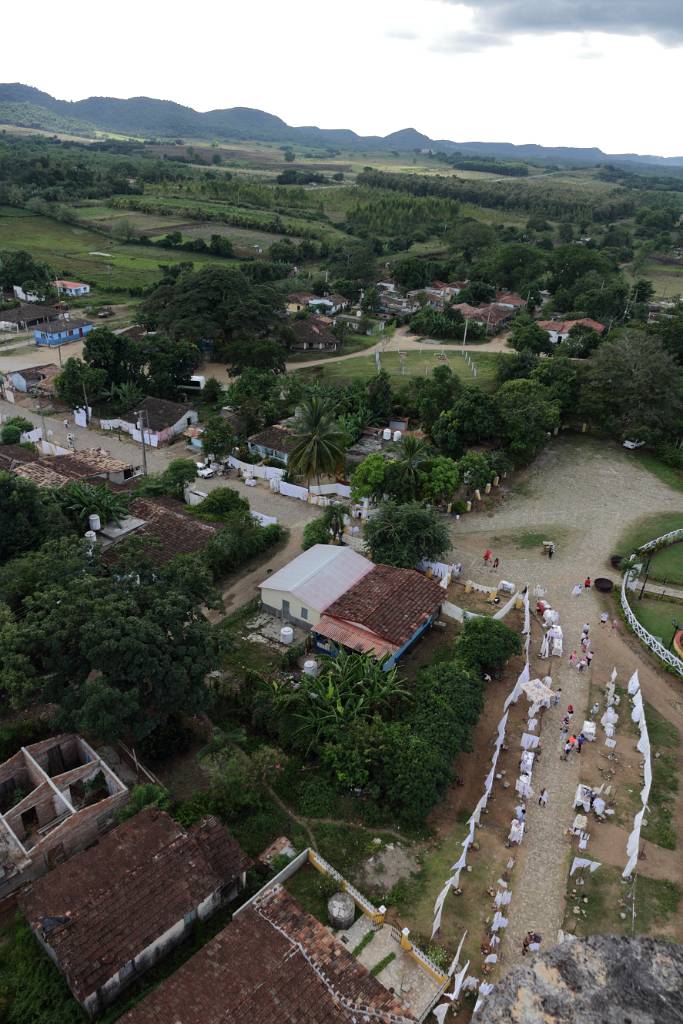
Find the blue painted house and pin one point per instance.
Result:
(60, 332)
(383, 614)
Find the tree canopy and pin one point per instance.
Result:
(402, 535)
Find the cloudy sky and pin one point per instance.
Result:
(558, 72)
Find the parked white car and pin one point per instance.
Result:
(632, 445)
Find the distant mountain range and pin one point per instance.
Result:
(24, 106)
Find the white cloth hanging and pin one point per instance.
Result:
(545, 647)
(440, 1012)
(456, 959)
(582, 862)
(498, 921)
(529, 742)
(458, 982)
(492, 958)
(633, 683)
(526, 762)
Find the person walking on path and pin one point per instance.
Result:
(604, 618)
(487, 556)
(496, 562)
(580, 742)
(587, 583)
(572, 659)
(577, 591)
(582, 664)
(594, 710)
(567, 750)
(543, 798)
(589, 658)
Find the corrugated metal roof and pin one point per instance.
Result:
(353, 637)
(320, 575)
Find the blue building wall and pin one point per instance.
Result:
(53, 338)
(323, 645)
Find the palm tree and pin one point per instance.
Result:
(319, 447)
(414, 454)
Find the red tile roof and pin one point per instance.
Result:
(273, 964)
(170, 529)
(123, 894)
(565, 326)
(391, 603)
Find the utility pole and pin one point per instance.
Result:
(142, 437)
(85, 398)
(42, 419)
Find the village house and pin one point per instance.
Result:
(25, 316)
(91, 464)
(24, 296)
(383, 614)
(302, 590)
(27, 381)
(164, 526)
(348, 602)
(313, 333)
(72, 288)
(162, 420)
(297, 302)
(113, 911)
(56, 797)
(272, 443)
(558, 330)
(510, 299)
(331, 303)
(60, 332)
(490, 315)
(274, 964)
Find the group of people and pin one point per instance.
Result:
(579, 588)
(490, 560)
(587, 654)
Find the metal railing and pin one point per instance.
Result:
(655, 645)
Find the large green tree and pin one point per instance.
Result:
(403, 535)
(29, 516)
(78, 380)
(118, 355)
(634, 386)
(527, 416)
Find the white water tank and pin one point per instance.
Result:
(386, 434)
(286, 635)
(397, 435)
(91, 539)
(94, 523)
(311, 667)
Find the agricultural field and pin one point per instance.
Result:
(72, 251)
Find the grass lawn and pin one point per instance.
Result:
(657, 616)
(609, 897)
(670, 476)
(667, 564)
(665, 740)
(415, 364)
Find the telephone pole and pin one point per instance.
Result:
(142, 438)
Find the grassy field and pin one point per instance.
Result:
(666, 564)
(607, 899)
(415, 364)
(70, 251)
(657, 616)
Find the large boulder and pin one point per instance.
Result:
(601, 980)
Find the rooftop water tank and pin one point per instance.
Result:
(386, 434)
(397, 435)
(94, 523)
(286, 635)
(311, 667)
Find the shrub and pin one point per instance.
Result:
(147, 795)
(31, 988)
(486, 644)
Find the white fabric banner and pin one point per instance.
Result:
(440, 1012)
(456, 959)
(529, 742)
(633, 683)
(292, 491)
(457, 984)
(582, 862)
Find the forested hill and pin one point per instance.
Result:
(25, 106)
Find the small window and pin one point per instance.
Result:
(304, 613)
